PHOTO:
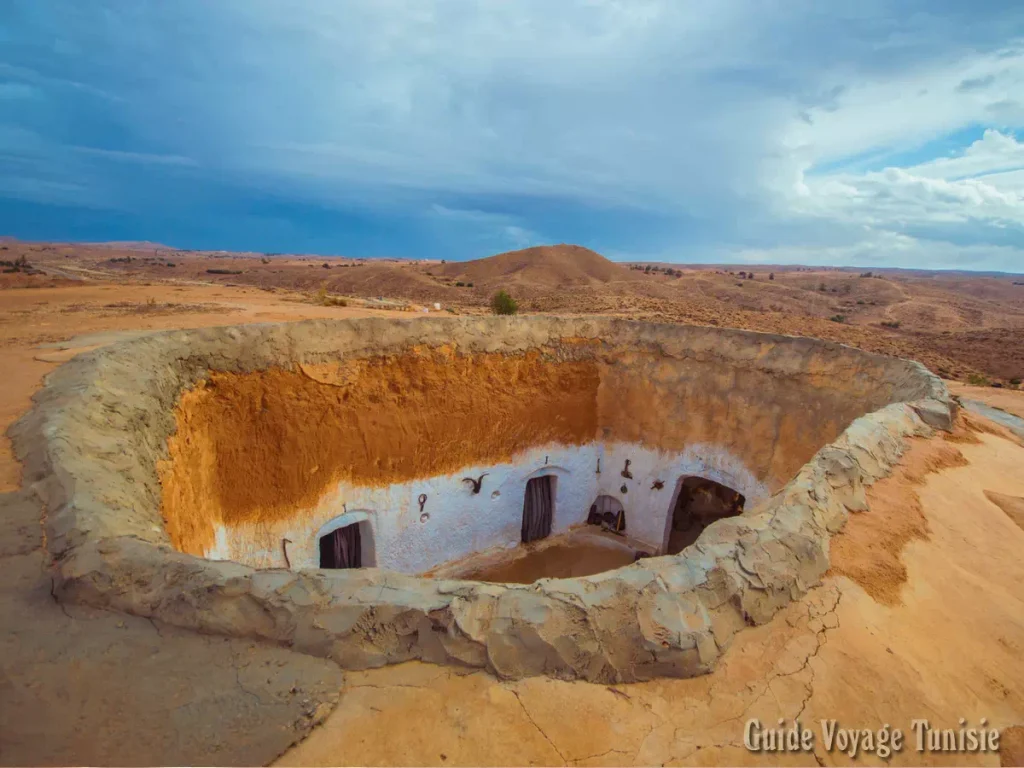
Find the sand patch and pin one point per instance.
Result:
(1013, 506)
(870, 548)
(1011, 746)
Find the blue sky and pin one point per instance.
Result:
(887, 133)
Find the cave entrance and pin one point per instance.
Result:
(698, 503)
(538, 508)
(607, 512)
(342, 548)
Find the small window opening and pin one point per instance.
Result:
(607, 512)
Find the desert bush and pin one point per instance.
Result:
(1015, 382)
(977, 380)
(838, 318)
(223, 271)
(469, 285)
(460, 284)
(503, 304)
(19, 264)
(890, 323)
(771, 275)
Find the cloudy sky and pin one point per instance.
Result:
(869, 132)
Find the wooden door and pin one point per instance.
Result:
(341, 548)
(538, 508)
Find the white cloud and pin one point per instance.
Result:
(144, 158)
(969, 206)
(796, 126)
(887, 249)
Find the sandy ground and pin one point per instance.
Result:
(80, 686)
(951, 647)
(580, 552)
(1011, 401)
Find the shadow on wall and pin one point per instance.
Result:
(696, 504)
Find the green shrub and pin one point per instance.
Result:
(838, 318)
(503, 304)
(977, 380)
(460, 284)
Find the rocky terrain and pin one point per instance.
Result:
(961, 325)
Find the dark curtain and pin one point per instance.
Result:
(538, 509)
(341, 548)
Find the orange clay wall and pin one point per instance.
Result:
(257, 446)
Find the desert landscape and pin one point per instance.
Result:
(919, 615)
(963, 326)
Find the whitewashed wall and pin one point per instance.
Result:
(454, 522)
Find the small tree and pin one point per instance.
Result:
(771, 275)
(503, 304)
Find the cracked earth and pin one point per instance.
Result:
(80, 686)
(951, 647)
(84, 686)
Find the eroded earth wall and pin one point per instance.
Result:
(100, 431)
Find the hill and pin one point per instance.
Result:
(545, 267)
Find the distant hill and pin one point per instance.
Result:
(541, 267)
(130, 245)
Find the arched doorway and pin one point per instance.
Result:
(607, 512)
(698, 503)
(347, 542)
(538, 508)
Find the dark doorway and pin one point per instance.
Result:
(607, 512)
(538, 508)
(699, 503)
(342, 548)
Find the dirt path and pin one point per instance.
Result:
(80, 686)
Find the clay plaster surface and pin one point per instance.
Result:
(663, 616)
